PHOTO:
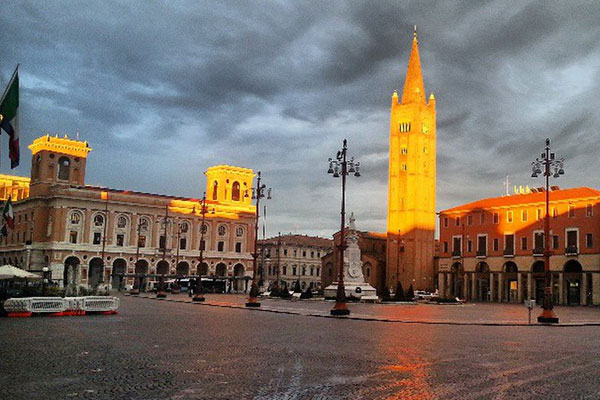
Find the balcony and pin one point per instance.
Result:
(509, 252)
(539, 252)
(571, 251)
(456, 254)
(481, 254)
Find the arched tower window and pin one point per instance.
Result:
(235, 191)
(63, 168)
(215, 189)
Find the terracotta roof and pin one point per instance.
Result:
(528, 198)
(304, 240)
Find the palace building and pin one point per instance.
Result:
(411, 187)
(87, 234)
(492, 249)
(294, 258)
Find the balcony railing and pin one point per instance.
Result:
(456, 254)
(481, 253)
(509, 252)
(571, 251)
(538, 252)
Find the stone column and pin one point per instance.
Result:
(450, 285)
(465, 285)
(500, 286)
(596, 289)
(473, 286)
(491, 286)
(442, 284)
(519, 288)
(584, 289)
(529, 285)
(561, 288)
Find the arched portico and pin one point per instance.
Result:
(95, 271)
(510, 284)
(183, 268)
(572, 283)
(70, 272)
(118, 270)
(141, 268)
(221, 270)
(238, 272)
(481, 282)
(456, 284)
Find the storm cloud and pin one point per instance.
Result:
(163, 90)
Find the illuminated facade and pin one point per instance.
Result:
(298, 258)
(62, 223)
(411, 186)
(492, 249)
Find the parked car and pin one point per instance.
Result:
(422, 295)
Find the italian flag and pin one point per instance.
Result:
(7, 214)
(9, 118)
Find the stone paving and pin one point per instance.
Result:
(172, 350)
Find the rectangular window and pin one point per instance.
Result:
(481, 245)
(285, 252)
(496, 218)
(303, 253)
(509, 245)
(120, 239)
(571, 212)
(295, 253)
(457, 221)
(589, 211)
(538, 214)
(456, 246)
(524, 216)
(404, 151)
(73, 237)
(555, 242)
(182, 243)
(496, 244)
(142, 241)
(284, 270)
(303, 270)
(162, 243)
(445, 222)
(312, 271)
(469, 246)
(482, 218)
(538, 245)
(319, 270)
(589, 240)
(469, 220)
(312, 254)
(445, 247)
(571, 238)
(97, 238)
(555, 212)
(238, 247)
(221, 246)
(523, 243)
(294, 270)
(509, 216)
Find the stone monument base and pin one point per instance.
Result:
(352, 289)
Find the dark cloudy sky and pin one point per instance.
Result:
(164, 89)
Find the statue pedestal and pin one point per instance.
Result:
(352, 289)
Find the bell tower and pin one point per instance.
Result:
(57, 161)
(411, 184)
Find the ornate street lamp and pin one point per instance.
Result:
(341, 167)
(549, 166)
(199, 295)
(161, 281)
(257, 194)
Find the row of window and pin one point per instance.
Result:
(296, 271)
(404, 127)
(295, 253)
(572, 239)
(236, 194)
(539, 215)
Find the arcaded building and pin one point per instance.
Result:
(492, 249)
(68, 226)
(293, 258)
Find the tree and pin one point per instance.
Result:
(297, 288)
(410, 293)
(399, 295)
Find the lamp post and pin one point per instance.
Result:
(135, 290)
(199, 295)
(257, 194)
(161, 281)
(104, 196)
(551, 167)
(341, 167)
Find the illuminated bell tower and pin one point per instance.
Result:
(411, 186)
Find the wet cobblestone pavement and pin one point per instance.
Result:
(171, 350)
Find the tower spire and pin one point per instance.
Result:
(414, 90)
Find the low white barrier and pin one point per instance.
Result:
(17, 305)
(36, 305)
(100, 303)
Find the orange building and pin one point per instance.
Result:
(492, 249)
(411, 185)
(66, 225)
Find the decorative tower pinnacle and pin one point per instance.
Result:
(414, 90)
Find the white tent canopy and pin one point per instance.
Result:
(9, 272)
